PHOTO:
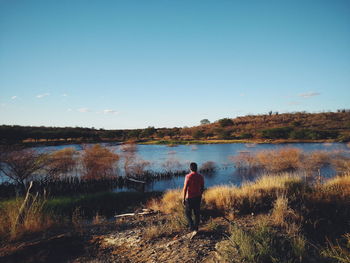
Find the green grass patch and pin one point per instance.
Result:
(105, 203)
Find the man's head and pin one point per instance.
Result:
(193, 167)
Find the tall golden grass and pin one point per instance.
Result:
(266, 192)
(34, 220)
(251, 195)
(248, 197)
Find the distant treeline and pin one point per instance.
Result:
(295, 126)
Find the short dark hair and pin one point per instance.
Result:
(193, 167)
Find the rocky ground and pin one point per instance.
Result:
(121, 240)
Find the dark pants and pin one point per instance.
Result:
(193, 204)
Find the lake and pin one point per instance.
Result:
(182, 155)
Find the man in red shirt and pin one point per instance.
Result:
(192, 194)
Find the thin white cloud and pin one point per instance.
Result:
(64, 95)
(83, 110)
(40, 96)
(69, 110)
(309, 94)
(14, 97)
(110, 111)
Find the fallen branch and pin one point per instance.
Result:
(145, 212)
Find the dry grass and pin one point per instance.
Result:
(341, 164)
(250, 196)
(157, 230)
(282, 214)
(98, 219)
(338, 186)
(171, 202)
(220, 197)
(338, 252)
(34, 220)
(261, 242)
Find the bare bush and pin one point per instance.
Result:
(98, 162)
(129, 156)
(61, 162)
(137, 167)
(208, 166)
(171, 165)
(245, 160)
(341, 164)
(280, 160)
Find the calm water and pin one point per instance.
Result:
(182, 155)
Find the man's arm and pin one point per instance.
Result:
(184, 191)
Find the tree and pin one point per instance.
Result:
(277, 133)
(20, 164)
(225, 122)
(205, 121)
(148, 132)
(198, 134)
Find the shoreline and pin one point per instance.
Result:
(173, 142)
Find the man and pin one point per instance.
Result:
(192, 194)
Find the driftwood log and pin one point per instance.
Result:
(144, 212)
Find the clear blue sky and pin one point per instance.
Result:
(133, 64)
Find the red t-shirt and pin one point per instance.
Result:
(195, 184)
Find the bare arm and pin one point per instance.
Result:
(184, 191)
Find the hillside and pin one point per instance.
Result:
(300, 126)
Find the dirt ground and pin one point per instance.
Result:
(123, 240)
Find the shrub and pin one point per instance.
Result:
(98, 162)
(246, 135)
(341, 164)
(20, 164)
(275, 161)
(277, 133)
(315, 160)
(225, 122)
(61, 162)
(245, 160)
(198, 134)
(285, 159)
(208, 166)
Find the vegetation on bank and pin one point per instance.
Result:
(292, 214)
(291, 219)
(69, 171)
(41, 213)
(333, 126)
